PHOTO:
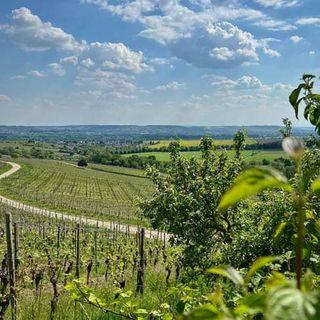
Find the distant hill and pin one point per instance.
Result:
(123, 132)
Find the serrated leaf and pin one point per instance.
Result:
(252, 182)
(228, 272)
(285, 303)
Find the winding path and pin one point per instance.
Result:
(62, 216)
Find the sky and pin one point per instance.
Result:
(170, 62)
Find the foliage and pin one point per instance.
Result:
(185, 201)
(310, 99)
(286, 131)
(239, 142)
(82, 163)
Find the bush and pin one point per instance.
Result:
(82, 163)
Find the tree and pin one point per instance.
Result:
(186, 199)
(286, 131)
(82, 163)
(239, 141)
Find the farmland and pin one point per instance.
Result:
(67, 188)
(48, 256)
(195, 143)
(248, 155)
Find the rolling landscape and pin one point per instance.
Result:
(159, 160)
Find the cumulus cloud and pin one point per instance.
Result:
(174, 85)
(32, 34)
(295, 39)
(278, 3)
(206, 32)
(56, 69)
(220, 45)
(308, 21)
(312, 52)
(115, 56)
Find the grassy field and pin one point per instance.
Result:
(4, 167)
(97, 193)
(195, 142)
(248, 155)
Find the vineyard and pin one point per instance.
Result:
(50, 253)
(67, 188)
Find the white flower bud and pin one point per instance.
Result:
(293, 147)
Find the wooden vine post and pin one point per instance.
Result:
(141, 263)
(78, 250)
(16, 245)
(11, 265)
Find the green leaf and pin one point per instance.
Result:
(315, 187)
(307, 76)
(294, 96)
(279, 230)
(250, 183)
(228, 272)
(251, 304)
(205, 312)
(141, 311)
(285, 303)
(258, 264)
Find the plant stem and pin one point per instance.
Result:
(300, 240)
(301, 216)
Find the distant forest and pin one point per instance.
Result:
(120, 132)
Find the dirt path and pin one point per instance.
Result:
(62, 216)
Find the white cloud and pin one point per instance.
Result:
(220, 45)
(296, 39)
(274, 25)
(57, 69)
(312, 52)
(174, 85)
(222, 53)
(308, 21)
(176, 25)
(71, 59)
(278, 3)
(37, 73)
(32, 34)
(249, 82)
(87, 63)
(246, 82)
(115, 56)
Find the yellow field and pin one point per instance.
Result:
(195, 143)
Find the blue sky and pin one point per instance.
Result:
(186, 62)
